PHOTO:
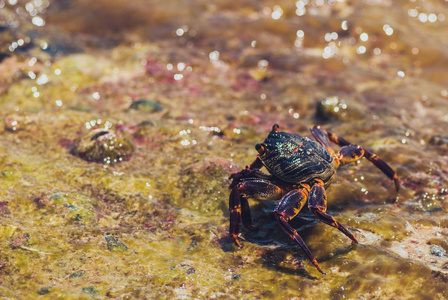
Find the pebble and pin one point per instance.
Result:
(438, 251)
(103, 146)
(438, 140)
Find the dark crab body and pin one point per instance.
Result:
(296, 159)
(299, 171)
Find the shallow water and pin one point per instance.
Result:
(151, 220)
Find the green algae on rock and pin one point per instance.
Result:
(205, 185)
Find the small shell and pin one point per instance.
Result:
(102, 145)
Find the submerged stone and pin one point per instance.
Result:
(336, 109)
(44, 291)
(19, 241)
(77, 274)
(16, 122)
(102, 146)
(114, 245)
(438, 140)
(148, 106)
(91, 290)
(438, 251)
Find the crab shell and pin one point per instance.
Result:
(296, 159)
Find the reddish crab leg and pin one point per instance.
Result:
(255, 188)
(383, 166)
(351, 152)
(288, 207)
(317, 203)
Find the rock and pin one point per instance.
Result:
(102, 146)
(44, 291)
(438, 140)
(16, 122)
(438, 251)
(20, 240)
(77, 274)
(148, 106)
(114, 244)
(336, 109)
(91, 290)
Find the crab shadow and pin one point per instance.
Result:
(286, 256)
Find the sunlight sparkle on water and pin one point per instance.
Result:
(181, 66)
(364, 37)
(361, 50)
(300, 7)
(43, 79)
(299, 40)
(387, 29)
(214, 55)
(179, 32)
(32, 61)
(277, 12)
(178, 76)
(329, 36)
(96, 96)
(38, 21)
(330, 50)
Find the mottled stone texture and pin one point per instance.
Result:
(190, 88)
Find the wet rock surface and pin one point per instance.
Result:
(188, 90)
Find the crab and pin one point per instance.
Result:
(300, 169)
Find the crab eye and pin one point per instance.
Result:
(260, 148)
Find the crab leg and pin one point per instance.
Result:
(245, 174)
(321, 137)
(351, 152)
(288, 207)
(255, 188)
(383, 166)
(317, 203)
(256, 165)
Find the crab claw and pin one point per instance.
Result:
(237, 177)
